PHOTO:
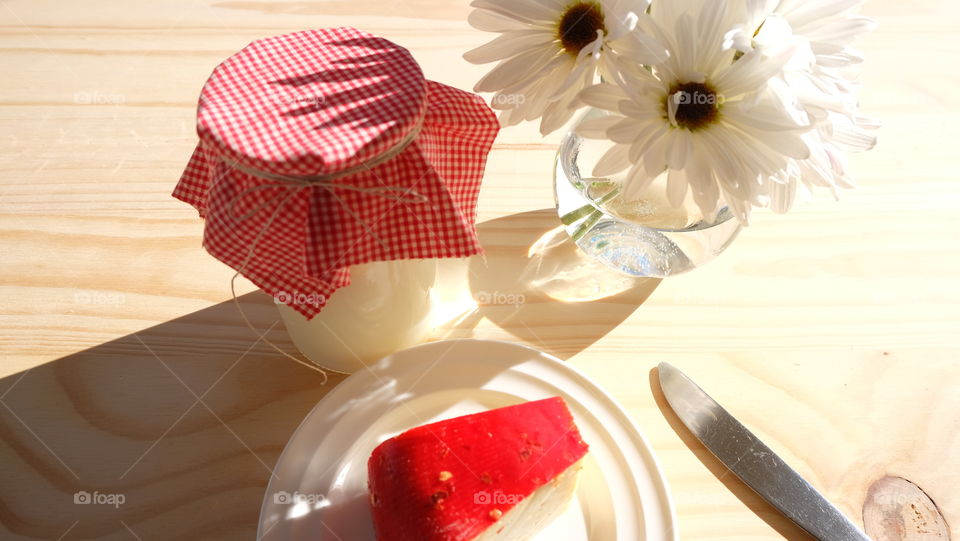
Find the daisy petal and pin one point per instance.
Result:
(782, 196)
(513, 70)
(626, 130)
(676, 187)
(603, 96)
(706, 193)
(510, 117)
(508, 44)
(490, 21)
(809, 12)
(641, 145)
(655, 158)
(678, 151)
(750, 72)
(596, 128)
(783, 142)
(557, 114)
(612, 162)
(637, 181)
(530, 10)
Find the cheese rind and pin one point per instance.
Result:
(461, 479)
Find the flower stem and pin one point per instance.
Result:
(587, 224)
(590, 212)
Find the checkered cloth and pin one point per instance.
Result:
(399, 161)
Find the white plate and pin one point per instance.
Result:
(320, 488)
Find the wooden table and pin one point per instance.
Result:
(832, 331)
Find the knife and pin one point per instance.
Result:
(753, 462)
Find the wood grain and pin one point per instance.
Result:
(896, 509)
(832, 332)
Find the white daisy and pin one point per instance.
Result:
(549, 50)
(819, 78)
(706, 114)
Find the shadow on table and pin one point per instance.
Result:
(537, 286)
(173, 432)
(744, 493)
(168, 433)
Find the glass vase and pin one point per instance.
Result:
(644, 236)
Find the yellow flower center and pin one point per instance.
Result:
(578, 26)
(695, 105)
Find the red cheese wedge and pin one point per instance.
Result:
(502, 474)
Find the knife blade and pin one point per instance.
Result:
(753, 462)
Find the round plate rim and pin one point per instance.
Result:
(656, 471)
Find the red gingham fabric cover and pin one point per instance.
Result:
(319, 102)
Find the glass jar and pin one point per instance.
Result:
(388, 306)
